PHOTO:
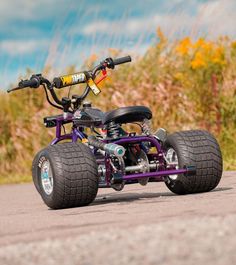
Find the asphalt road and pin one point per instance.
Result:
(139, 225)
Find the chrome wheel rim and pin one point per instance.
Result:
(172, 161)
(47, 177)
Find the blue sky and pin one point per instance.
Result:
(61, 33)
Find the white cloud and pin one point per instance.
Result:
(22, 47)
(218, 17)
(214, 17)
(131, 27)
(15, 9)
(30, 10)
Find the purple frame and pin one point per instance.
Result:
(74, 136)
(157, 175)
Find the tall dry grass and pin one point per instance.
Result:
(187, 84)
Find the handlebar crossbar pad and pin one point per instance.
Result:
(69, 80)
(121, 60)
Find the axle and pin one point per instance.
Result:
(158, 175)
(140, 168)
(136, 168)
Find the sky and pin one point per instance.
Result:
(60, 33)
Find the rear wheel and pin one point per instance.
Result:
(66, 175)
(193, 148)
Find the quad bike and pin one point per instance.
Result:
(101, 153)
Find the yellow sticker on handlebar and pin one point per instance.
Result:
(68, 80)
(93, 87)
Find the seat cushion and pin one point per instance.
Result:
(128, 114)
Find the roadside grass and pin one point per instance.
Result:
(15, 179)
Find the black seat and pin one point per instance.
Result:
(128, 114)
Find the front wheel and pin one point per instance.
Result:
(193, 148)
(66, 175)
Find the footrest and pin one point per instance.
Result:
(117, 178)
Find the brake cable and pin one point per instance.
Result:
(48, 99)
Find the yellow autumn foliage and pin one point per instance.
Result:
(184, 46)
(201, 53)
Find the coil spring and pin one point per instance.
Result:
(146, 127)
(113, 130)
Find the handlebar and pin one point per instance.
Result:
(67, 80)
(83, 77)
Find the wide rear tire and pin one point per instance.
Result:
(199, 149)
(66, 175)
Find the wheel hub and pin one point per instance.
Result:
(172, 161)
(46, 177)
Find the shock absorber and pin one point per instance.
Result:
(113, 130)
(146, 127)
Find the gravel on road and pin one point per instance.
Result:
(192, 241)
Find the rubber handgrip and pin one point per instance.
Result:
(33, 82)
(121, 60)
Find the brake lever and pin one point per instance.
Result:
(13, 89)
